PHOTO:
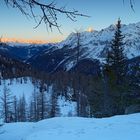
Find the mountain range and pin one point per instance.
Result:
(53, 57)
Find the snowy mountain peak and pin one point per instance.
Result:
(97, 42)
(93, 45)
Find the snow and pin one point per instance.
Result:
(18, 44)
(126, 127)
(18, 89)
(67, 108)
(97, 42)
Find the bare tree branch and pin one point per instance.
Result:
(48, 12)
(131, 2)
(132, 5)
(42, 12)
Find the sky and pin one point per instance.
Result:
(15, 26)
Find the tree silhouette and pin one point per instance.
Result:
(48, 12)
(131, 4)
(116, 58)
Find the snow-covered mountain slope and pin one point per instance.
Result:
(24, 86)
(125, 127)
(96, 42)
(93, 45)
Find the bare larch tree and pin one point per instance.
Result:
(48, 12)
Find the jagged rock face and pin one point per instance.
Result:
(62, 56)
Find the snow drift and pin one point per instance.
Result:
(126, 127)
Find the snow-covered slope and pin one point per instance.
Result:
(93, 45)
(16, 88)
(97, 42)
(24, 86)
(125, 127)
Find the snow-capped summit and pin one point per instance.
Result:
(97, 42)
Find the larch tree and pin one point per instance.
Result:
(15, 109)
(6, 101)
(43, 11)
(49, 12)
(33, 110)
(22, 109)
(42, 103)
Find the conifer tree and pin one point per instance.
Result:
(6, 104)
(115, 73)
(53, 105)
(22, 110)
(116, 60)
(42, 103)
(15, 108)
(33, 106)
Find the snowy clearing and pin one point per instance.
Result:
(125, 127)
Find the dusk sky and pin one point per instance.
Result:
(103, 13)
